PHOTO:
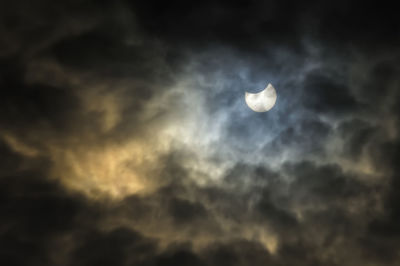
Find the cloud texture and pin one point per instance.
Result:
(125, 138)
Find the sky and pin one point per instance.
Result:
(125, 138)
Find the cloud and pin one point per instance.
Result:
(125, 139)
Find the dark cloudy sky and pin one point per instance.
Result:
(125, 138)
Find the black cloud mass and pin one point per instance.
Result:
(125, 138)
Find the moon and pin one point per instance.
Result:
(262, 101)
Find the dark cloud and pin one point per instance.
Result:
(35, 104)
(184, 211)
(328, 182)
(181, 257)
(357, 133)
(35, 211)
(276, 217)
(245, 24)
(239, 253)
(125, 140)
(365, 25)
(326, 94)
(118, 247)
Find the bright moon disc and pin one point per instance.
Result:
(263, 100)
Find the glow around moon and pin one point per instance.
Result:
(262, 101)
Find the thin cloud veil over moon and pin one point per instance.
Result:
(262, 101)
(126, 137)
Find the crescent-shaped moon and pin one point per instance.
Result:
(262, 101)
